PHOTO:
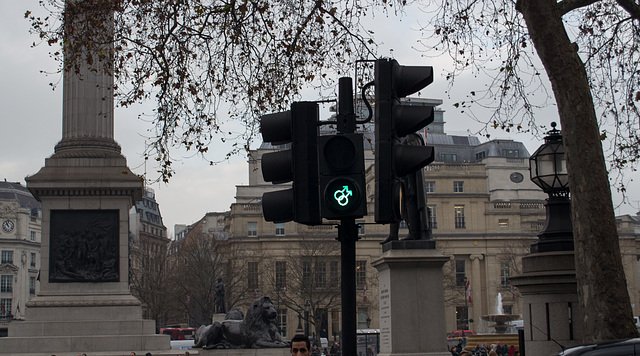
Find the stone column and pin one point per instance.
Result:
(551, 312)
(412, 320)
(476, 288)
(86, 190)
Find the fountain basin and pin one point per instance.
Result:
(501, 321)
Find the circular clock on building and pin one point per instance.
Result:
(516, 177)
(7, 226)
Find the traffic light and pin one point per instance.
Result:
(393, 121)
(342, 183)
(299, 164)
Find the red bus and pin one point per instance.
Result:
(179, 333)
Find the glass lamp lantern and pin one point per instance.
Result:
(548, 170)
(548, 166)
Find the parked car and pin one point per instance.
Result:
(629, 347)
(460, 333)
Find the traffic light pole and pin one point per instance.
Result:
(347, 235)
(347, 232)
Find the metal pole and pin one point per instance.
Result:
(348, 234)
(347, 231)
(346, 115)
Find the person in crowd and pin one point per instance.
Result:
(300, 345)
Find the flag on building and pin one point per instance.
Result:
(469, 290)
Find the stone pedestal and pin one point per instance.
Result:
(84, 303)
(219, 317)
(551, 312)
(86, 189)
(412, 318)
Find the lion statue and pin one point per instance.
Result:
(257, 330)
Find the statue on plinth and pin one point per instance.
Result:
(219, 298)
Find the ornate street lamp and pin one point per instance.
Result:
(548, 169)
(307, 305)
(299, 329)
(368, 322)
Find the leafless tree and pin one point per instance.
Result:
(202, 259)
(589, 53)
(151, 283)
(311, 273)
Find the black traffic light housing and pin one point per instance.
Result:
(342, 181)
(393, 121)
(299, 164)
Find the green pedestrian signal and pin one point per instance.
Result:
(342, 196)
(342, 183)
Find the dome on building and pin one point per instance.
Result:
(16, 191)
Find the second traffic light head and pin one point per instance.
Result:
(299, 164)
(393, 121)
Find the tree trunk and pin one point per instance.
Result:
(602, 287)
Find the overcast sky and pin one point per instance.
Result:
(31, 120)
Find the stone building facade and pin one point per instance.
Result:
(21, 219)
(148, 243)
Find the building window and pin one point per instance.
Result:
(279, 229)
(481, 155)
(6, 284)
(281, 275)
(282, 321)
(403, 225)
(363, 315)
(360, 227)
(461, 272)
(462, 314)
(510, 153)
(433, 216)
(33, 259)
(458, 187)
(252, 228)
(505, 272)
(252, 274)
(32, 236)
(5, 307)
(32, 285)
(458, 213)
(306, 273)
(503, 222)
(335, 323)
(361, 274)
(430, 187)
(448, 157)
(321, 275)
(334, 274)
(7, 257)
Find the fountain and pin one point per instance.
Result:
(500, 319)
